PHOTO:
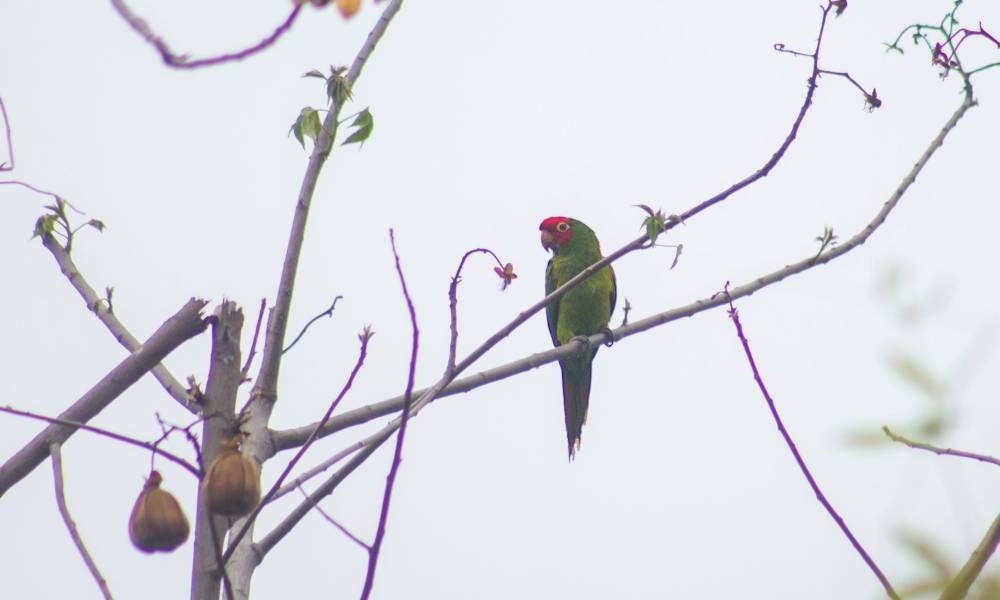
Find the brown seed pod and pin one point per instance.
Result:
(157, 523)
(232, 484)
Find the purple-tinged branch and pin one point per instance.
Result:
(397, 457)
(183, 61)
(152, 447)
(334, 522)
(938, 450)
(734, 315)
(7, 166)
(364, 338)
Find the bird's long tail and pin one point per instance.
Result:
(576, 397)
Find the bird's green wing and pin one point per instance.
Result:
(552, 310)
(614, 291)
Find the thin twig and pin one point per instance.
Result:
(57, 474)
(938, 450)
(183, 61)
(7, 166)
(734, 315)
(253, 344)
(326, 313)
(321, 467)
(364, 337)
(110, 321)
(152, 447)
(453, 301)
(959, 586)
(334, 522)
(397, 457)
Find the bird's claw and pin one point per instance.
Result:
(583, 340)
(611, 336)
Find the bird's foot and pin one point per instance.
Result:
(584, 343)
(611, 336)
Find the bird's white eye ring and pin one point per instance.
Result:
(563, 226)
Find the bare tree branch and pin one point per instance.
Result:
(937, 450)
(183, 61)
(334, 522)
(326, 313)
(151, 446)
(184, 325)
(253, 344)
(103, 313)
(820, 496)
(397, 457)
(57, 475)
(959, 586)
(7, 166)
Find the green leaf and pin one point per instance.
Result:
(315, 73)
(365, 123)
(96, 224)
(338, 90)
(307, 125)
(44, 225)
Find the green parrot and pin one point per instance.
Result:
(582, 311)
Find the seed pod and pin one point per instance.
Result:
(232, 484)
(157, 522)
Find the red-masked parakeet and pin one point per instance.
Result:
(582, 311)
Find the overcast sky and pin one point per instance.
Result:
(490, 117)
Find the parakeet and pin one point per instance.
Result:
(582, 311)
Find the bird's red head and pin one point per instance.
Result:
(556, 231)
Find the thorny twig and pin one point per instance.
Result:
(734, 315)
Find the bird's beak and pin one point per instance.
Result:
(548, 240)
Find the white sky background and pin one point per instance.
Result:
(490, 117)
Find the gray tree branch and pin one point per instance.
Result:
(57, 475)
(179, 328)
(103, 313)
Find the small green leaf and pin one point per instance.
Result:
(365, 123)
(44, 225)
(96, 224)
(315, 73)
(338, 90)
(307, 125)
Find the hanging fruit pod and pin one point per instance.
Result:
(232, 483)
(157, 523)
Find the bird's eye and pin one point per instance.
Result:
(563, 226)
